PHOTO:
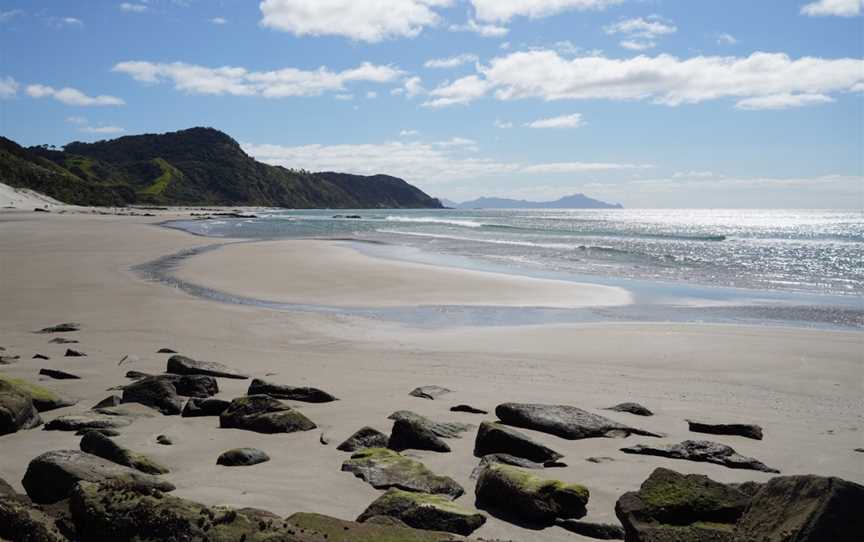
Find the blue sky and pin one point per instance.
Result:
(663, 103)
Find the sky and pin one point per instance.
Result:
(650, 103)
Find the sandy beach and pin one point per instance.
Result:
(804, 387)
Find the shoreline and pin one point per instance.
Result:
(803, 386)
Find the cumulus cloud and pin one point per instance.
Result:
(460, 91)
(783, 101)
(361, 20)
(8, 88)
(130, 7)
(637, 45)
(218, 20)
(837, 8)
(452, 61)
(194, 79)
(504, 10)
(483, 30)
(641, 33)
(564, 121)
(72, 96)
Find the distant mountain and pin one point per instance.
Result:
(198, 166)
(576, 201)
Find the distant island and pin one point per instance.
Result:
(576, 201)
(198, 166)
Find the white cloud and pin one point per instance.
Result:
(484, 30)
(637, 45)
(370, 95)
(460, 91)
(194, 79)
(726, 39)
(218, 20)
(8, 15)
(579, 167)
(504, 10)
(408, 133)
(362, 20)
(641, 33)
(84, 126)
(8, 88)
(564, 121)
(838, 8)
(133, 8)
(344, 97)
(59, 22)
(72, 96)
(451, 62)
(783, 101)
(502, 124)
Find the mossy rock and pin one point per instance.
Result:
(20, 521)
(100, 445)
(263, 414)
(516, 493)
(43, 398)
(384, 469)
(424, 511)
(16, 410)
(325, 528)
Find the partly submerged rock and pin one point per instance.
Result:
(424, 511)
(494, 438)
(305, 394)
(182, 365)
(97, 444)
(702, 451)
(429, 392)
(564, 421)
(516, 493)
(632, 408)
(804, 508)
(58, 374)
(154, 392)
(242, 457)
(412, 434)
(61, 328)
(383, 468)
(670, 507)
(738, 429)
(52, 476)
(467, 408)
(16, 410)
(263, 414)
(86, 420)
(365, 437)
(442, 429)
(204, 407)
(43, 399)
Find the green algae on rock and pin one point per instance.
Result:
(424, 511)
(515, 492)
(383, 468)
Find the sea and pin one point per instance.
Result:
(784, 267)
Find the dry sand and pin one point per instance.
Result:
(804, 387)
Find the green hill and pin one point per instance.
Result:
(198, 166)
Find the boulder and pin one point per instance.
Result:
(467, 408)
(564, 421)
(16, 410)
(701, 451)
(61, 328)
(804, 509)
(411, 434)
(429, 392)
(204, 407)
(516, 493)
(199, 386)
(100, 445)
(44, 399)
(737, 429)
(365, 437)
(110, 401)
(305, 394)
(673, 507)
(86, 420)
(322, 528)
(507, 459)
(242, 457)
(494, 438)
(424, 511)
(154, 392)
(164, 440)
(59, 375)
(70, 353)
(182, 365)
(263, 414)
(631, 408)
(21, 521)
(441, 429)
(383, 468)
(52, 476)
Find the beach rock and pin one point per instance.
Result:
(429, 392)
(137, 375)
(62, 340)
(166, 351)
(673, 507)
(632, 408)
(379, 529)
(21, 521)
(110, 401)
(441, 429)
(564, 421)
(383, 468)
(263, 414)
(9, 360)
(106, 432)
(305, 394)
(59, 375)
(589, 529)
(467, 408)
(52, 476)
(61, 328)
(128, 410)
(737, 429)
(155, 392)
(242, 457)
(493, 438)
(182, 365)
(102, 446)
(859, 450)
(424, 511)
(804, 508)
(164, 440)
(515, 493)
(701, 451)
(199, 386)
(599, 459)
(43, 399)
(16, 410)
(508, 459)
(40, 356)
(70, 353)
(324, 439)
(365, 437)
(411, 434)
(86, 420)
(196, 408)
